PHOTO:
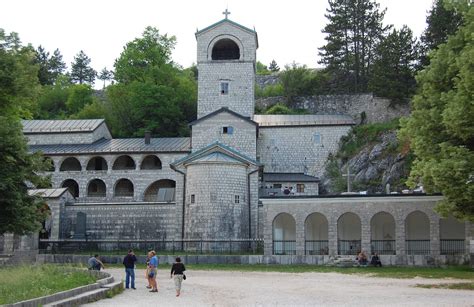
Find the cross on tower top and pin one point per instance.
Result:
(226, 13)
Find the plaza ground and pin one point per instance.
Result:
(230, 288)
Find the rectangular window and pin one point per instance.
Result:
(317, 138)
(277, 185)
(236, 199)
(193, 198)
(228, 130)
(300, 188)
(224, 88)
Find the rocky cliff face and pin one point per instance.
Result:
(376, 167)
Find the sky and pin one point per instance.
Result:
(288, 31)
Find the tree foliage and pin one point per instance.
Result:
(352, 34)
(441, 126)
(394, 68)
(19, 212)
(50, 67)
(105, 75)
(152, 93)
(81, 72)
(273, 67)
(262, 69)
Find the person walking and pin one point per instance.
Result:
(177, 270)
(129, 263)
(152, 271)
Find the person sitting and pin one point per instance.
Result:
(362, 258)
(375, 261)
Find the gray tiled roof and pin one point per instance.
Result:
(288, 177)
(47, 193)
(118, 145)
(56, 126)
(302, 120)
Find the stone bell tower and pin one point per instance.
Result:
(226, 53)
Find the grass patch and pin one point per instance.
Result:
(453, 286)
(27, 282)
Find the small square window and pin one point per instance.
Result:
(317, 138)
(300, 188)
(228, 130)
(193, 198)
(224, 88)
(236, 199)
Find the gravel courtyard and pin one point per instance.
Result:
(225, 288)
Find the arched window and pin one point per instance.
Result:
(124, 163)
(96, 188)
(452, 234)
(123, 188)
(284, 235)
(417, 232)
(72, 187)
(161, 191)
(316, 234)
(70, 164)
(349, 234)
(97, 164)
(382, 230)
(151, 162)
(225, 49)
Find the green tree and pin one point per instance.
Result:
(152, 93)
(52, 99)
(441, 22)
(273, 67)
(354, 29)
(441, 126)
(105, 75)
(394, 68)
(79, 96)
(297, 80)
(19, 212)
(262, 69)
(279, 108)
(50, 67)
(81, 72)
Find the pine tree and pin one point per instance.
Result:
(50, 67)
(273, 67)
(105, 75)
(81, 72)
(393, 73)
(354, 30)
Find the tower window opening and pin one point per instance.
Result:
(193, 198)
(236, 199)
(228, 130)
(225, 49)
(224, 88)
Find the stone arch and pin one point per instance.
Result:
(151, 162)
(284, 234)
(382, 233)
(96, 188)
(72, 186)
(452, 235)
(70, 164)
(316, 234)
(123, 188)
(46, 223)
(97, 164)
(124, 162)
(417, 233)
(225, 47)
(349, 233)
(161, 191)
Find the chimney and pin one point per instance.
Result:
(147, 137)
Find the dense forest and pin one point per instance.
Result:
(147, 91)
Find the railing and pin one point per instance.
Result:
(316, 247)
(284, 247)
(452, 247)
(237, 246)
(417, 247)
(348, 247)
(383, 247)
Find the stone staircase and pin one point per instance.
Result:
(103, 288)
(344, 262)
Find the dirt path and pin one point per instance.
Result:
(223, 288)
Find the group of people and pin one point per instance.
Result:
(129, 262)
(363, 259)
